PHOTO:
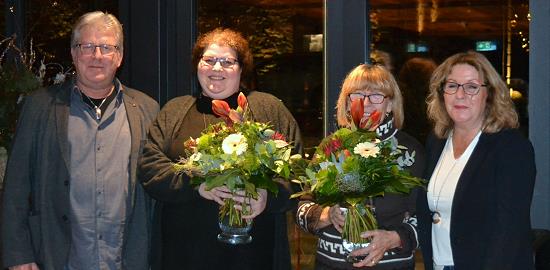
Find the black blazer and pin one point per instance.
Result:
(490, 226)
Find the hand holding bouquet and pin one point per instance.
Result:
(352, 165)
(239, 156)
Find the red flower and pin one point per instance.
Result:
(190, 144)
(278, 136)
(332, 146)
(372, 122)
(357, 110)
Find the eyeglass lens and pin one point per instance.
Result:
(89, 49)
(225, 62)
(469, 88)
(373, 98)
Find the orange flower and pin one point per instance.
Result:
(235, 116)
(241, 100)
(221, 109)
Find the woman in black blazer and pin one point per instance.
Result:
(476, 211)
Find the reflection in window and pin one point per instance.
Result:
(48, 24)
(436, 29)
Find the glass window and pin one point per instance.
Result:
(286, 38)
(49, 25)
(436, 29)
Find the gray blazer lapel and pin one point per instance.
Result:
(62, 105)
(134, 121)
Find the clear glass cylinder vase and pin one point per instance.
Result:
(235, 230)
(359, 218)
(234, 234)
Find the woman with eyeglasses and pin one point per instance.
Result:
(393, 245)
(186, 220)
(481, 171)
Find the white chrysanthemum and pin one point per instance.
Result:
(234, 143)
(366, 149)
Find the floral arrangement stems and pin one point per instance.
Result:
(228, 210)
(358, 219)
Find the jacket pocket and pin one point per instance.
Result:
(36, 237)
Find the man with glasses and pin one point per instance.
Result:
(71, 198)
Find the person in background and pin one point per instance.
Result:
(382, 58)
(71, 197)
(476, 212)
(186, 219)
(414, 80)
(393, 245)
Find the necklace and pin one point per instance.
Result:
(96, 107)
(436, 215)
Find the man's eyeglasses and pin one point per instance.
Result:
(373, 98)
(470, 88)
(225, 62)
(89, 49)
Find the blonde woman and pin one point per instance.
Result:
(475, 214)
(393, 244)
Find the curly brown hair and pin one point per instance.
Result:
(499, 109)
(229, 38)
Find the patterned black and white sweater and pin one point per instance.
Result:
(393, 212)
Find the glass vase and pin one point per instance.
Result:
(358, 218)
(235, 230)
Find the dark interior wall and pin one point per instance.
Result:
(157, 50)
(346, 46)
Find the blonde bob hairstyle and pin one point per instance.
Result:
(367, 77)
(101, 20)
(499, 108)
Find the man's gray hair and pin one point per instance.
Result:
(99, 19)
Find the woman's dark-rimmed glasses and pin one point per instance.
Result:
(225, 62)
(470, 88)
(373, 98)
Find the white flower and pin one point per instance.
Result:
(280, 143)
(196, 156)
(234, 143)
(59, 78)
(366, 149)
(325, 164)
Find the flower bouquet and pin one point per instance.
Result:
(241, 155)
(351, 166)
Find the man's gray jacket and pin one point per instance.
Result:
(36, 218)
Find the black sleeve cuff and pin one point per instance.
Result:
(408, 235)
